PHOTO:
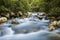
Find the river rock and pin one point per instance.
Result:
(20, 13)
(52, 28)
(3, 20)
(40, 17)
(15, 22)
(52, 25)
(12, 14)
(7, 15)
(29, 14)
(58, 23)
(53, 36)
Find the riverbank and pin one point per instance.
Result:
(10, 15)
(54, 22)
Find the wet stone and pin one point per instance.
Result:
(15, 22)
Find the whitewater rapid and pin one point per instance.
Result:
(30, 28)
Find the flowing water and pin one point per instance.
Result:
(30, 28)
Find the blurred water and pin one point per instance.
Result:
(30, 28)
(5, 30)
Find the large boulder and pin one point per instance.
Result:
(53, 25)
(3, 20)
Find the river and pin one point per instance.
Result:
(30, 28)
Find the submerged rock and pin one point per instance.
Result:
(15, 22)
(53, 36)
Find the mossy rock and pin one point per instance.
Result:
(53, 36)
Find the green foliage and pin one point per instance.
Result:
(3, 9)
(52, 7)
(55, 11)
(22, 5)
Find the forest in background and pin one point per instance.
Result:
(50, 7)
